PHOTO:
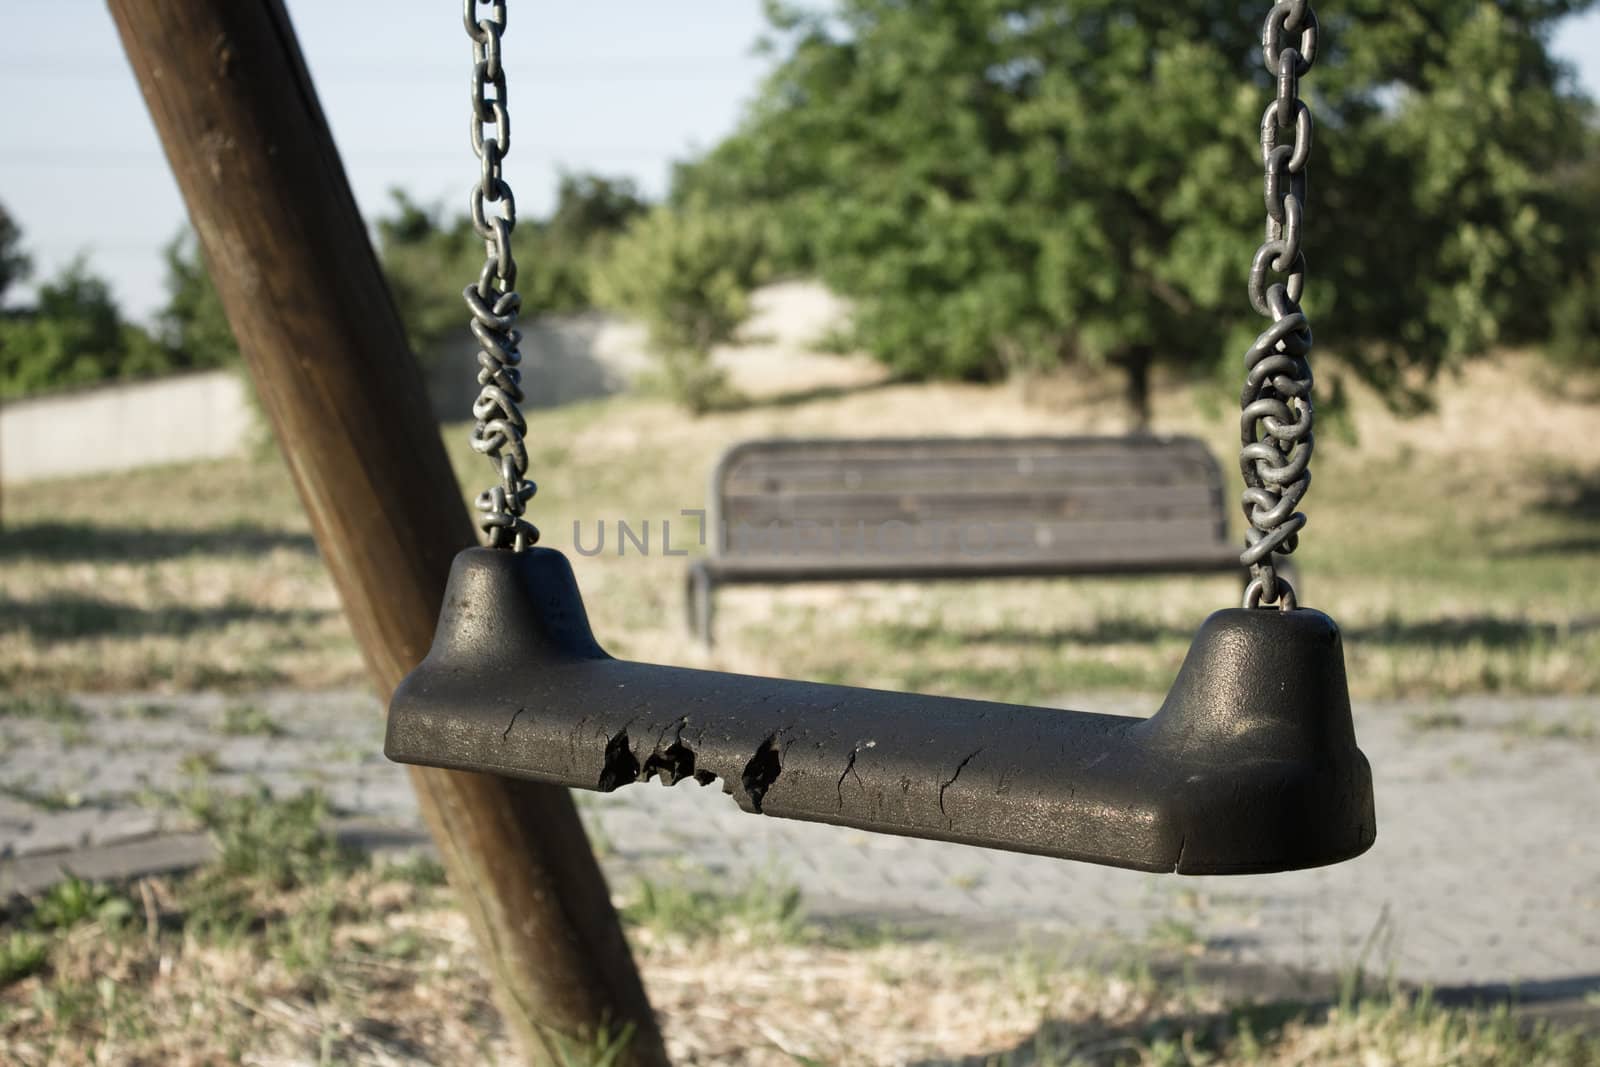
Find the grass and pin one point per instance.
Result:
(199, 764)
(248, 720)
(371, 962)
(1459, 553)
(1437, 720)
(765, 909)
(73, 901)
(1530, 728)
(55, 799)
(283, 843)
(21, 954)
(43, 707)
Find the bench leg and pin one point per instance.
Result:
(700, 592)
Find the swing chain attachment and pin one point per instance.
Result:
(493, 299)
(1276, 416)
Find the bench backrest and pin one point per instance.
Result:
(929, 498)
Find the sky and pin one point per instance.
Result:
(620, 88)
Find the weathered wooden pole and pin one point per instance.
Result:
(246, 138)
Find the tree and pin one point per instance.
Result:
(687, 272)
(1005, 183)
(193, 325)
(591, 212)
(592, 208)
(74, 335)
(14, 262)
(428, 260)
(1575, 311)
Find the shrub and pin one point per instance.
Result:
(687, 272)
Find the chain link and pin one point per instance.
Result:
(1276, 417)
(493, 299)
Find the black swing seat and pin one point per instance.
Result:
(1250, 765)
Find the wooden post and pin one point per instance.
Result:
(246, 138)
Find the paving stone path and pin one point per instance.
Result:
(1486, 871)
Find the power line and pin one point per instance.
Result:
(90, 159)
(686, 69)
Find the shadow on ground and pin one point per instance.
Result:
(1263, 1011)
(68, 616)
(1575, 498)
(1495, 631)
(1102, 632)
(57, 541)
(801, 397)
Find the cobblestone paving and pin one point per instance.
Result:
(1486, 870)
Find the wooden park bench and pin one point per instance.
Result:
(797, 510)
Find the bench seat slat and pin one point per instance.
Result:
(1028, 535)
(1177, 503)
(732, 570)
(935, 508)
(750, 476)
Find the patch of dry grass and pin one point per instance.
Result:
(1459, 550)
(369, 970)
(374, 966)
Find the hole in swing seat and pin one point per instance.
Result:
(1250, 765)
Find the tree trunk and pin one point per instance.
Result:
(1137, 363)
(246, 139)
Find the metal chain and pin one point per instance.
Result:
(493, 299)
(1275, 424)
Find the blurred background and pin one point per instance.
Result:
(869, 217)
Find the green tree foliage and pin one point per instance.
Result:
(1575, 312)
(428, 260)
(591, 208)
(1004, 183)
(74, 335)
(14, 262)
(193, 325)
(687, 272)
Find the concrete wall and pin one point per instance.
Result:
(565, 358)
(576, 357)
(120, 427)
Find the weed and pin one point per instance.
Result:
(21, 954)
(762, 908)
(148, 711)
(54, 799)
(604, 1049)
(73, 901)
(219, 912)
(279, 841)
(1531, 728)
(1175, 935)
(199, 764)
(416, 868)
(248, 720)
(302, 940)
(407, 945)
(967, 881)
(1429, 721)
(44, 707)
